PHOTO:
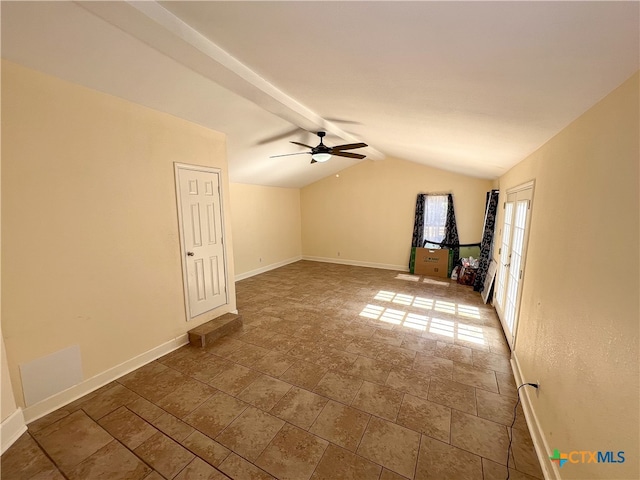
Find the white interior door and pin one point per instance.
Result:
(202, 235)
(513, 250)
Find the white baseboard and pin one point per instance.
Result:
(549, 469)
(266, 268)
(61, 399)
(357, 263)
(11, 429)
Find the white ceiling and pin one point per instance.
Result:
(470, 87)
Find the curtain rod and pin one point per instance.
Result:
(454, 245)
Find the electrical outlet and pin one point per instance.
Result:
(338, 253)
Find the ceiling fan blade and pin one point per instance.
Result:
(289, 154)
(348, 155)
(301, 144)
(282, 136)
(349, 146)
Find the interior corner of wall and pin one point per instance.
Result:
(11, 429)
(9, 401)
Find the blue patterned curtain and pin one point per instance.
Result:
(487, 239)
(451, 231)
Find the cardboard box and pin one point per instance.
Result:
(434, 263)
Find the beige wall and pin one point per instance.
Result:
(578, 330)
(266, 226)
(367, 212)
(90, 244)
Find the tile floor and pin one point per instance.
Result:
(339, 372)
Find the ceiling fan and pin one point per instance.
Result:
(322, 153)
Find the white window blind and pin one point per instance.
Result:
(435, 218)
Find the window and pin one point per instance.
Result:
(435, 219)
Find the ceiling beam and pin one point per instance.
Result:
(167, 33)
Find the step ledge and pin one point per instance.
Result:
(209, 332)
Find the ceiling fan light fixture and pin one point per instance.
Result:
(322, 153)
(321, 157)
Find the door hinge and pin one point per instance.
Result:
(499, 250)
(520, 275)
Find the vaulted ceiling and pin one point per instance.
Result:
(470, 87)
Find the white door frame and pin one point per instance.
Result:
(183, 252)
(500, 311)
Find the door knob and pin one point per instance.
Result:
(190, 254)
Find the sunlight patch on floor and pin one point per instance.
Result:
(372, 311)
(428, 304)
(468, 311)
(470, 333)
(393, 316)
(436, 282)
(442, 327)
(403, 299)
(445, 307)
(415, 321)
(384, 295)
(422, 323)
(406, 276)
(416, 278)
